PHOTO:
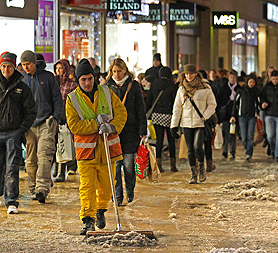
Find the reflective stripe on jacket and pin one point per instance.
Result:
(85, 144)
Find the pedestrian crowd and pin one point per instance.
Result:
(113, 111)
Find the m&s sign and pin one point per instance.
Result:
(224, 19)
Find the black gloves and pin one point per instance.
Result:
(174, 132)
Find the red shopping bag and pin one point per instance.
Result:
(142, 167)
(259, 131)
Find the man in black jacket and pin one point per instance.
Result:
(269, 100)
(17, 114)
(154, 70)
(40, 139)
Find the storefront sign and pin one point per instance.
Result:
(154, 15)
(124, 5)
(227, 19)
(272, 12)
(44, 31)
(19, 8)
(182, 12)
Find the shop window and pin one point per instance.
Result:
(80, 36)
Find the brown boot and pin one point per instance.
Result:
(210, 166)
(194, 174)
(173, 164)
(159, 164)
(202, 176)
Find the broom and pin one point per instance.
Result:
(119, 229)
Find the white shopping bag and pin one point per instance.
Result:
(64, 151)
(218, 139)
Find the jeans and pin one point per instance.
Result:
(159, 130)
(247, 129)
(228, 138)
(10, 155)
(129, 174)
(194, 138)
(271, 127)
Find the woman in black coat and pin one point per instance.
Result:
(162, 113)
(122, 83)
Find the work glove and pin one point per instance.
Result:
(51, 122)
(174, 132)
(101, 119)
(107, 128)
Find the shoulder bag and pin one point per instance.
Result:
(127, 90)
(149, 113)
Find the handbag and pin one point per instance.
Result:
(183, 148)
(259, 131)
(223, 111)
(64, 151)
(209, 123)
(218, 140)
(150, 111)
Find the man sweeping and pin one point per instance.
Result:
(91, 109)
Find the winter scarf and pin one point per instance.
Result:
(121, 82)
(191, 87)
(233, 93)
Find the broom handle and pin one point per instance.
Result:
(119, 227)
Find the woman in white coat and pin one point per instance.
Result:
(185, 115)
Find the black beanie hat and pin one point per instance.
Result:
(165, 72)
(84, 68)
(157, 57)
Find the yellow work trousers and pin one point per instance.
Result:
(95, 188)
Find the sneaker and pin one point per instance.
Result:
(101, 223)
(89, 225)
(41, 197)
(71, 172)
(130, 198)
(248, 158)
(224, 155)
(233, 156)
(12, 210)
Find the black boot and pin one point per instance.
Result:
(210, 166)
(159, 164)
(202, 176)
(72, 167)
(194, 173)
(61, 173)
(89, 225)
(101, 223)
(173, 164)
(55, 170)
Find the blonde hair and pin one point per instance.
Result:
(267, 79)
(121, 64)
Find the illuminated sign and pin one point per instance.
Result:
(15, 3)
(272, 12)
(228, 19)
(182, 12)
(154, 15)
(124, 5)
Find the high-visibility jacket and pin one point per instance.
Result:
(85, 144)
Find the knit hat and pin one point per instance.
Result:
(165, 72)
(189, 68)
(83, 68)
(28, 56)
(149, 78)
(157, 57)
(9, 58)
(39, 57)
